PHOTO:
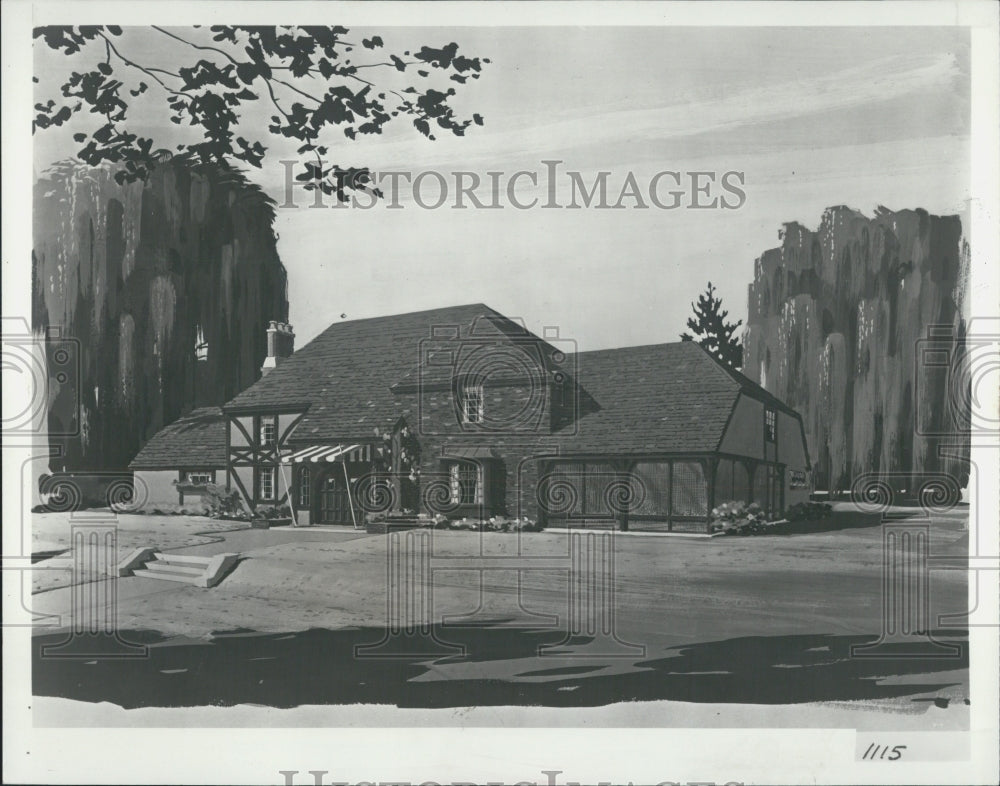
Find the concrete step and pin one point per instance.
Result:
(188, 559)
(163, 575)
(166, 567)
(148, 563)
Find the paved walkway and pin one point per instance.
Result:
(244, 540)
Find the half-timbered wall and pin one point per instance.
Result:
(250, 456)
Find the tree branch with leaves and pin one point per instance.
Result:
(310, 76)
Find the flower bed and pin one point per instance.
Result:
(380, 523)
(741, 518)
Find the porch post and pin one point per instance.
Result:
(710, 466)
(670, 496)
(395, 472)
(543, 469)
(623, 470)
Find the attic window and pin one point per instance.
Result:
(472, 403)
(770, 425)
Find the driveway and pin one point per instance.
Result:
(765, 620)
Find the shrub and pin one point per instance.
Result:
(492, 524)
(272, 512)
(808, 511)
(220, 502)
(738, 518)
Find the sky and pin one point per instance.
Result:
(812, 117)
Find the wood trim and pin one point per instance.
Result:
(239, 424)
(283, 437)
(242, 488)
(267, 409)
(175, 465)
(729, 420)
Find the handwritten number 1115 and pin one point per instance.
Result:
(879, 752)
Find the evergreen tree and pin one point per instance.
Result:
(712, 331)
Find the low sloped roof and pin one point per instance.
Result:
(196, 440)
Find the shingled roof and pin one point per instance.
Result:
(671, 397)
(657, 398)
(195, 441)
(344, 376)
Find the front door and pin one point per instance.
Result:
(334, 505)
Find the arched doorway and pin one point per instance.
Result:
(333, 503)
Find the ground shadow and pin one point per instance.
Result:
(858, 519)
(318, 666)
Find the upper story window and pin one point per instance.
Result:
(466, 483)
(268, 430)
(472, 403)
(770, 425)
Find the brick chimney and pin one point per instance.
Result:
(280, 345)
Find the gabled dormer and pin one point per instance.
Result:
(492, 376)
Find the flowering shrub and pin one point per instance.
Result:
(492, 524)
(738, 518)
(439, 521)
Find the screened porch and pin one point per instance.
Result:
(665, 494)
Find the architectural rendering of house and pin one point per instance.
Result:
(462, 412)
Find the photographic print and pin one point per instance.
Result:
(501, 393)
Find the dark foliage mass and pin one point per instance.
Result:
(159, 289)
(315, 79)
(839, 322)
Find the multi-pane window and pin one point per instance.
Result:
(472, 403)
(268, 430)
(305, 483)
(266, 489)
(466, 483)
(199, 477)
(770, 425)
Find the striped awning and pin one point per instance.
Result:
(317, 453)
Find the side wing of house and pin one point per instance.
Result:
(763, 455)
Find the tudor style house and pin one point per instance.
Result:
(464, 412)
